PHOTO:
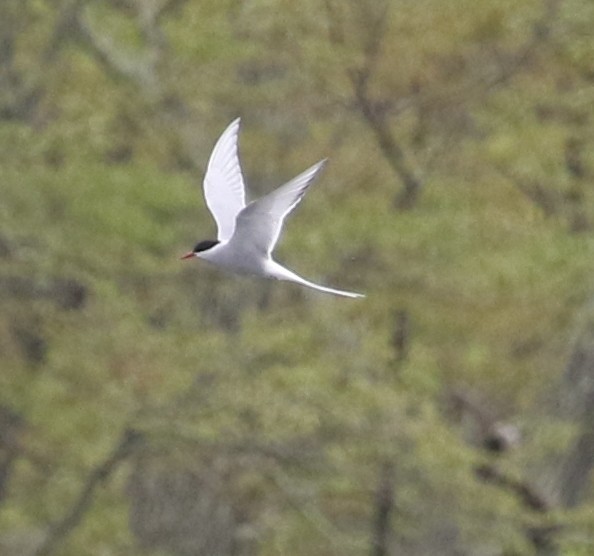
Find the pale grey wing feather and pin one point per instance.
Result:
(260, 223)
(224, 190)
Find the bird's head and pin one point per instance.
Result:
(200, 247)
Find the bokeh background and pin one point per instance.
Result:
(150, 406)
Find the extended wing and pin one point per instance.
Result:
(259, 224)
(224, 189)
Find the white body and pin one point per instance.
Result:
(247, 234)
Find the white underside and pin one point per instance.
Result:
(226, 256)
(248, 233)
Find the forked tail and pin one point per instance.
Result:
(279, 272)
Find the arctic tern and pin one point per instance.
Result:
(247, 234)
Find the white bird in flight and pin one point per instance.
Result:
(248, 233)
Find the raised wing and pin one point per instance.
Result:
(259, 224)
(224, 189)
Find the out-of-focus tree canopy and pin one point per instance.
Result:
(150, 406)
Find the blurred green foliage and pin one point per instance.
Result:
(284, 407)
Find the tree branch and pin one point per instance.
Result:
(529, 497)
(387, 142)
(542, 537)
(60, 530)
(374, 112)
(384, 506)
(139, 69)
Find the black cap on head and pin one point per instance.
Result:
(204, 245)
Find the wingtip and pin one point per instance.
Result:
(233, 127)
(318, 166)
